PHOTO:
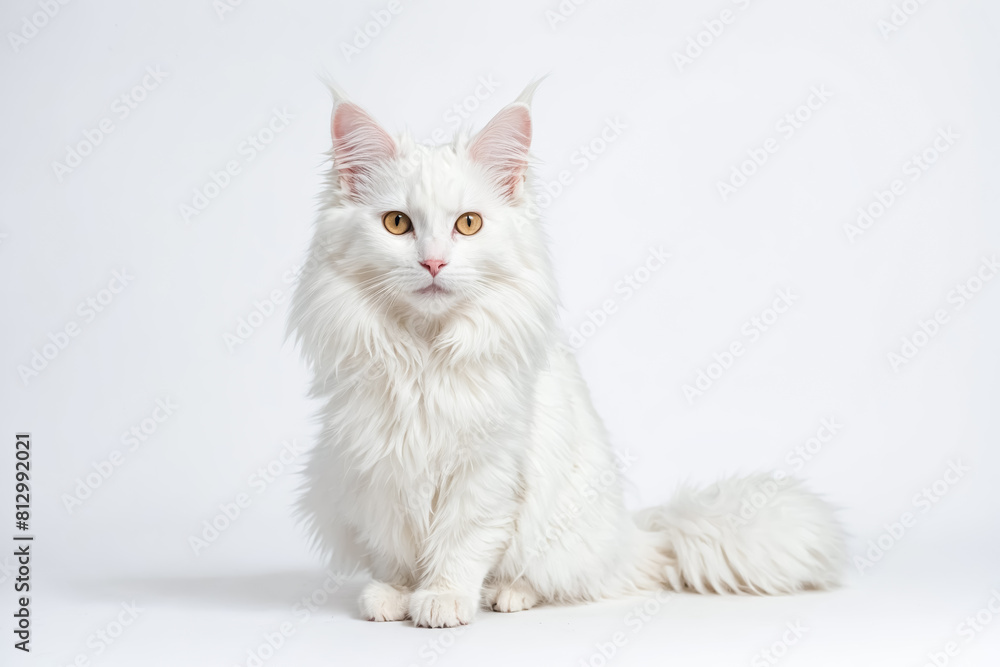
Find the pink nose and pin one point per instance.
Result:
(433, 265)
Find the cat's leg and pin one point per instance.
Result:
(470, 527)
(510, 596)
(384, 601)
(387, 595)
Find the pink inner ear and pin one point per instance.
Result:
(503, 145)
(358, 142)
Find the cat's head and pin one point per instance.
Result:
(426, 230)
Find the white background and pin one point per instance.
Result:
(656, 184)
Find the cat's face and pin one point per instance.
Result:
(428, 228)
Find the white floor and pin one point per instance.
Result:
(908, 606)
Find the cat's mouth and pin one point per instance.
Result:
(432, 289)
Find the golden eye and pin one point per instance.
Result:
(469, 223)
(397, 222)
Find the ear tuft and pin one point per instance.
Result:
(529, 91)
(359, 144)
(502, 146)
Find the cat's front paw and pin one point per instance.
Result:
(441, 609)
(384, 602)
(512, 597)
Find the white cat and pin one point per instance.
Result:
(461, 460)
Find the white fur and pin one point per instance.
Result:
(461, 460)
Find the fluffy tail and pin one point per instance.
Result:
(761, 534)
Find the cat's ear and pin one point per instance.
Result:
(502, 146)
(359, 144)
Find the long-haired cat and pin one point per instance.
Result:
(461, 460)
